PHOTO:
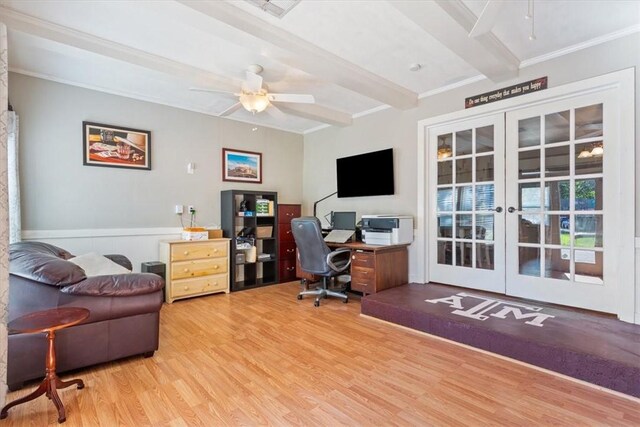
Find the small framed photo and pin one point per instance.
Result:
(116, 146)
(241, 166)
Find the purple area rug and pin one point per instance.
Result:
(585, 345)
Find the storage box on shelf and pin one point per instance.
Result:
(195, 267)
(286, 244)
(249, 220)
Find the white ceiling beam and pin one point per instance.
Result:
(450, 22)
(303, 55)
(27, 24)
(318, 113)
(487, 18)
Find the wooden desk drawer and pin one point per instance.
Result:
(196, 268)
(189, 251)
(184, 287)
(363, 259)
(287, 250)
(287, 212)
(287, 270)
(363, 273)
(364, 286)
(284, 233)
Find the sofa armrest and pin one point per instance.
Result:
(117, 285)
(120, 260)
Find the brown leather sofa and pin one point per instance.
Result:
(124, 319)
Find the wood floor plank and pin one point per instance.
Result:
(261, 357)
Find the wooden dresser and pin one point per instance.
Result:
(195, 267)
(286, 244)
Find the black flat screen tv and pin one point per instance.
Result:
(368, 174)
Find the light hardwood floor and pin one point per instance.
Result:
(262, 357)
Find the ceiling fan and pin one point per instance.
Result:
(254, 97)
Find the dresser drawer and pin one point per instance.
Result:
(189, 251)
(287, 250)
(185, 287)
(196, 268)
(287, 212)
(363, 259)
(284, 233)
(287, 270)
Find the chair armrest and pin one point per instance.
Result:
(340, 259)
(120, 260)
(117, 285)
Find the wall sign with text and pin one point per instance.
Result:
(507, 92)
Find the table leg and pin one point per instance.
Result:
(42, 389)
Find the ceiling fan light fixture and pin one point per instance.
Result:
(254, 102)
(584, 154)
(597, 151)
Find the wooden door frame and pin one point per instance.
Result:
(623, 84)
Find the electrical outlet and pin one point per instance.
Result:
(179, 209)
(191, 209)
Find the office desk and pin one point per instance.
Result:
(373, 267)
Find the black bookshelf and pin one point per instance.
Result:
(235, 224)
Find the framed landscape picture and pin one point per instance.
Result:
(116, 146)
(241, 166)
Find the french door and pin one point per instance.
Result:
(526, 202)
(467, 196)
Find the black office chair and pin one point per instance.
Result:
(316, 257)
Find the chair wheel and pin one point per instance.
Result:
(316, 303)
(346, 300)
(299, 297)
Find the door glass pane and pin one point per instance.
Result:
(557, 230)
(464, 226)
(557, 161)
(445, 172)
(484, 227)
(529, 196)
(464, 254)
(463, 170)
(556, 127)
(589, 194)
(445, 146)
(557, 264)
(529, 164)
(484, 256)
(529, 261)
(484, 139)
(529, 229)
(588, 231)
(484, 168)
(557, 195)
(445, 253)
(589, 121)
(463, 143)
(445, 199)
(445, 225)
(588, 266)
(529, 132)
(464, 199)
(589, 158)
(485, 197)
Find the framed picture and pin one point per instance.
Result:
(116, 146)
(241, 166)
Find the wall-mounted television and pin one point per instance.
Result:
(368, 174)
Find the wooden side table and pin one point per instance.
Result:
(48, 321)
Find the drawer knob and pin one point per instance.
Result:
(215, 267)
(215, 251)
(291, 268)
(288, 231)
(186, 288)
(186, 270)
(289, 250)
(186, 252)
(353, 257)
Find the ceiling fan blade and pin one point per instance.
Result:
(235, 107)
(254, 82)
(487, 18)
(298, 98)
(276, 113)
(202, 89)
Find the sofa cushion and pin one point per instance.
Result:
(117, 285)
(98, 265)
(40, 247)
(44, 268)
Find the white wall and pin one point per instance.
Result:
(398, 129)
(61, 196)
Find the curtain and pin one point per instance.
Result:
(13, 178)
(4, 212)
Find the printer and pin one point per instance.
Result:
(387, 229)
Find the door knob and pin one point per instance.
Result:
(511, 209)
(498, 209)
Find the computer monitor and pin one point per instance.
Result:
(344, 220)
